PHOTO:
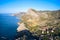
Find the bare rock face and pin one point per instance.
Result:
(21, 27)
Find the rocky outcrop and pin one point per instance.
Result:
(21, 27)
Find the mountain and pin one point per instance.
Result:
(41, 24)
(39, 18)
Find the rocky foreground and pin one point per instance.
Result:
(38, 25)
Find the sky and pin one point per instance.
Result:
(13, 6)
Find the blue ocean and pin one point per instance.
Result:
(8, 26)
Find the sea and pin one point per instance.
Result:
(8, 26)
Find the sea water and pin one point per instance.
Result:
(8, 26)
